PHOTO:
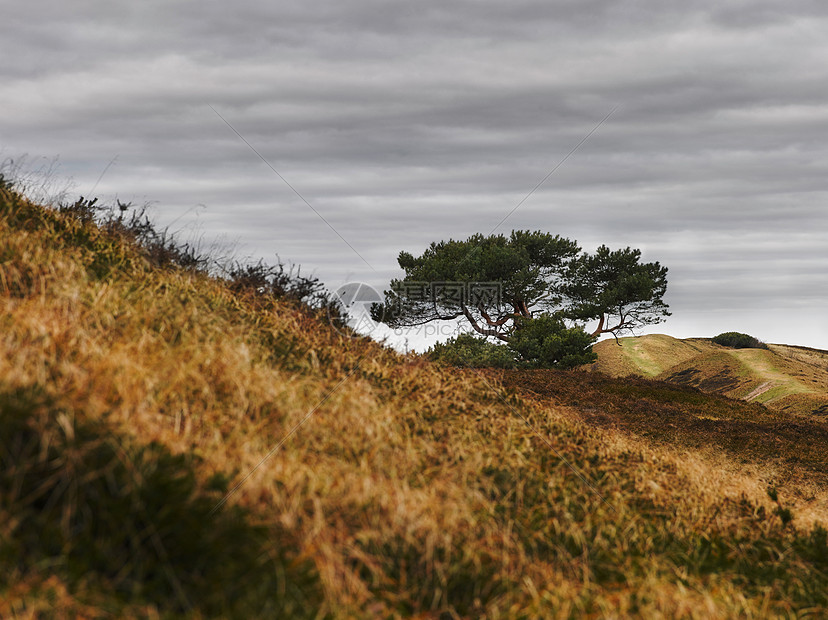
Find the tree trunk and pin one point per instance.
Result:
(600, 329)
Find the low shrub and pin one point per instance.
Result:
(468, 350)
(738, 340)
(541, 342)
(160, 247)
(114, 235)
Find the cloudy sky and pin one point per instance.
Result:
(383, 126)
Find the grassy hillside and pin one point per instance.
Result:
(175, 445)
(647, 356)
(782, 377)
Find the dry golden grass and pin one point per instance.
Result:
(410, 489)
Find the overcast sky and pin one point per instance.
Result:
(406, 123)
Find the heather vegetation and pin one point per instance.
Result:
(182, 442)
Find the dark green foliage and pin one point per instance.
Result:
(523, 267)
(738, 340)
(134, 521)
(520, 261)
(616, 289)
(546, 342)
(541, 342)
(467, 350)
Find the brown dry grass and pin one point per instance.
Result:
(777, 450)
(413, 490)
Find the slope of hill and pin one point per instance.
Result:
(782, 377)
(648, 356)
(174, 445)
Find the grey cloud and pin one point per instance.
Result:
(405, 124)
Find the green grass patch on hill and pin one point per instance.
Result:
(648, 355)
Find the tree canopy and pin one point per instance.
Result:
(488, 280)
(616, 289)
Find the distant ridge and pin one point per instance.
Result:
(786, 378)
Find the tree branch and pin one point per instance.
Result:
(480, 330)
(501, 320)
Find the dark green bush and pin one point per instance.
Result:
(738, 340)
(133, 522)
(468, 350)
(541, 342)
(546, 342)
